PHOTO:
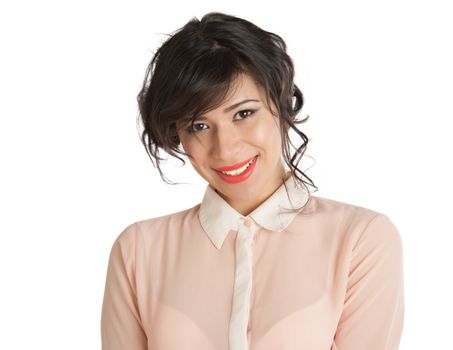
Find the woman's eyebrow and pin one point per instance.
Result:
(238, 104)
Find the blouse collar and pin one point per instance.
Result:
(217, 217)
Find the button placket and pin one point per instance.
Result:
(242, 286)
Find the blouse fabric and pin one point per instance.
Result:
(325, 276)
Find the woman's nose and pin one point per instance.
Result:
(226, 143)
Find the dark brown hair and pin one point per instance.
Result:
(192, 71)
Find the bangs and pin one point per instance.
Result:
(202, 85)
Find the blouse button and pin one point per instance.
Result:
(247, 223)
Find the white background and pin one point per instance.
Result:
(377, 79)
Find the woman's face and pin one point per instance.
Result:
(228, 137)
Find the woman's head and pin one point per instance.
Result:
(205, 66)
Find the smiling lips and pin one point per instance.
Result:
(238, 172)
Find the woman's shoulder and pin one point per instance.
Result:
(357, 221)
(166, 223)
(325, 206)
(174, 218)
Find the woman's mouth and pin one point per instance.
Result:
(239, 174)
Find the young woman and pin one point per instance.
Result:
(260, 263)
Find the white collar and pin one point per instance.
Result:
(217, 217)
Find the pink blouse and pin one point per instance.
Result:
(328, 276)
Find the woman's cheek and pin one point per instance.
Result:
(266, 133)
(197, 156)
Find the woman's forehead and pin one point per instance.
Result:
(241, 89)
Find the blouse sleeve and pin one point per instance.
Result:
(121, 326)
(373, 310)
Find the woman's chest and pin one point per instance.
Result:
(292, 301)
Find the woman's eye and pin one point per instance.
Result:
(192, 129)
(243, 112)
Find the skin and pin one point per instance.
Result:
(227, 138)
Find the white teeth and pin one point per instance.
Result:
(238, 171)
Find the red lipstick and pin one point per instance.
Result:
(234, 179)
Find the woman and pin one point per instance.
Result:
(260, 263)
